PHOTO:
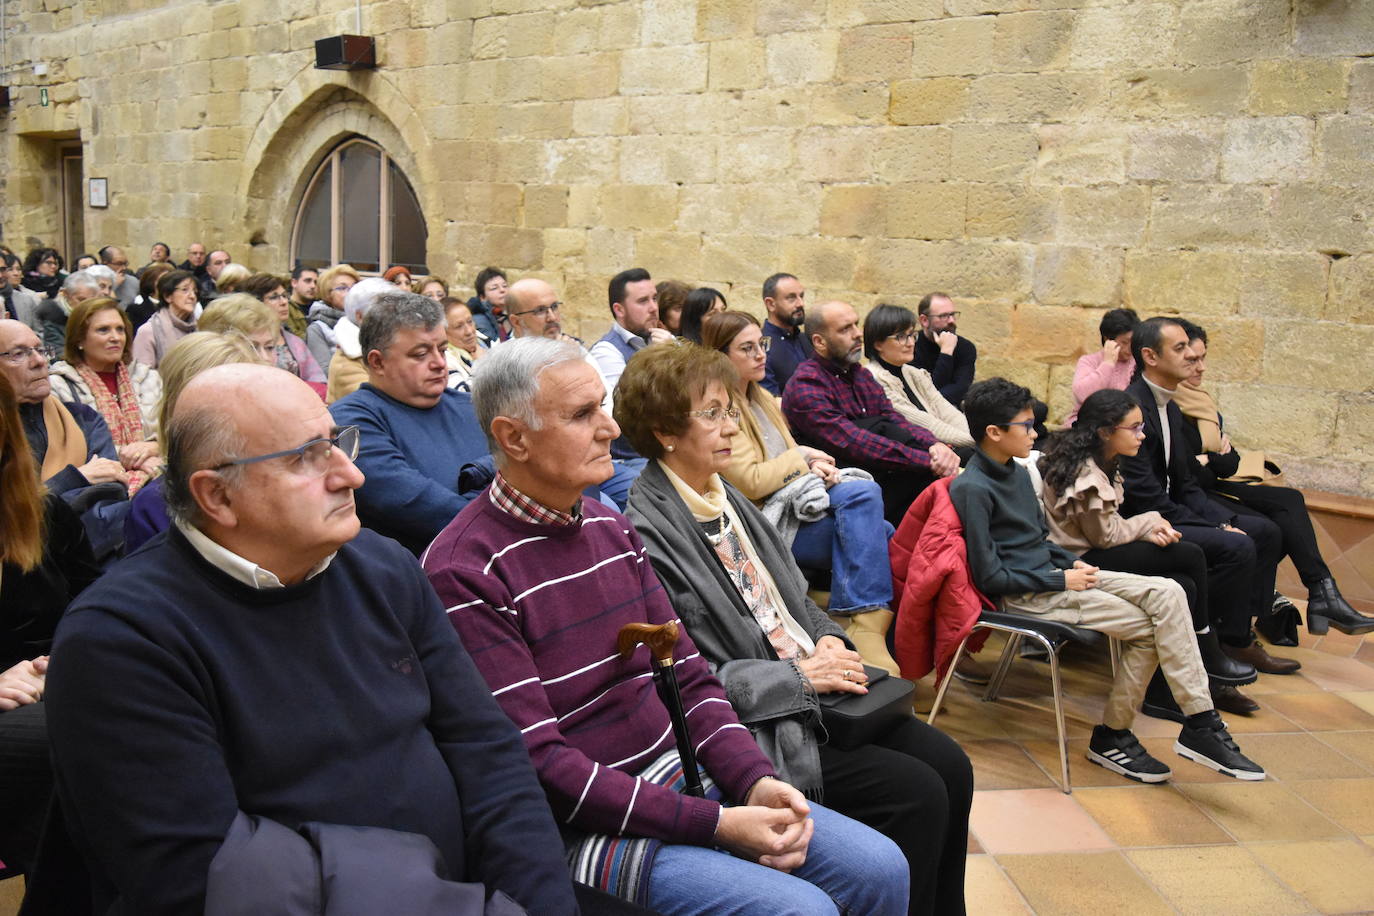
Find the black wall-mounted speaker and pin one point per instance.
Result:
(346, 52)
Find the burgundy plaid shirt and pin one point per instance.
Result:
(821, 402)
(508, 499)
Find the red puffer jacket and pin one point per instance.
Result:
(936, 602)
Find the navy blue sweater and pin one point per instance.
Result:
(178, 696)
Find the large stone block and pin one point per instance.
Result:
(1227, 30)
(1103, 215)
(1315, 217)
(1352, 291)
(1298, 87)
(1169, 93)
(986, 270)
(1355, 427)
(1060, 397)
(675, 255)
(520, 161)
(875, 52)
(762, 156)
(846, 13)
(1284, 285)
(1303, 427)
(928, 101)
(600, 117)
(764, 109)
(778, 209)
(608, 251)
(639, 206)
(788, 15)
(583, 160)
(1036, 40)
(1202, 283)
(537, 120)
(577, 31)
(1016, 369)
(1081, 153)
(1035, 96)
(1187, 152)
(848, 104)
(742, 259)
(1189, 215)
(1345, 148)
(985, 322)
(1048, 334)
(650, 159)
(823, 263)
(1267, 150)
(992, 152)
(1235, 349)
(911, 153)
(1010, 211)
(724, 19)
(668, 22)
(1362, 86)
(1078, 276)
(1334, 27)
(834, 154)
(796, 58)
(953, 47)
(926, 210)
(854, 210)
(711, 113)
(1120, 35)
(545, 206)
(1296, 352)
(738, 64)
(654, 71)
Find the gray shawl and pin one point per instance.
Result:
(772, 697)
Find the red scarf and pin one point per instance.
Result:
(121, 412)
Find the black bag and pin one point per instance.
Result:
(853, 720)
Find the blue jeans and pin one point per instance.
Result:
(615, 492)
(851, 542)
(849, 869)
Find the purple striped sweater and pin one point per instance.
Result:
(539, 608)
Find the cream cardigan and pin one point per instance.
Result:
(940, 416)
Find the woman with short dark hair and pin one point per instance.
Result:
(1110, 367)
(177, 297)
(43, 272)
(890, 345)
(700, 302)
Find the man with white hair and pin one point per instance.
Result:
(539, 580)
(294, 718)
(52, 313)
(347, 367)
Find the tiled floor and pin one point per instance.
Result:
(1300, 842)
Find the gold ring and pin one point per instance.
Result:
(845, 674)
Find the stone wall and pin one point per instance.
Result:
(1041, 160)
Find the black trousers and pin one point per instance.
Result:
(900, 489)
(1183, 562)
(1242, 567)
(25, 783)
(1287, 509)
(914, 787)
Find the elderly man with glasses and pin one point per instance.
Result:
(265, 703)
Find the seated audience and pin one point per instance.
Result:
(833, 404)
(348, 365)
(398, 277)
(174, 319)
(1217, 463)
(730, 576)
(1110, 367)
(417, 433)
(21, 304)
(784, 302)
(53, 313)
(231, 279)
(197, 263)
(634, 325)
(98, 370)
(71, 444)
(540, 581)
(847, 534)
(326, 312)
(291, 352)
(1242, 551)
(83, 262)
(160, 253)
(431, 287)
(194, 354)
(147, 303)
(262, 606)
(1082, 497)
(261, 325)
(304, 285)
(105, 279)
(890, 345)
(949, 358)
(488, 306)
(1011, 558)
(464, 346)
(43, 272)
(123, 285)
(672, 296)
(46, 561)
(701, 302)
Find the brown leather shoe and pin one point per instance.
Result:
(1262, 660)
(1229, 699)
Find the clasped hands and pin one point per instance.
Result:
(771, 827)
(23, 683)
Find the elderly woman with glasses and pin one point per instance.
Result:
(261, 326)
(731, 578)
(890, 333)
(174, 319)
(833, 521)
(292, 352)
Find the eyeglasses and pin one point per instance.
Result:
(342, 288)
(904, 337)
(20, 355)
(1027, 425)
(753, 349)
(313, 457)
(1138, 429)
(716, 414)
(542, 312)
(278, 296)
(48, 261)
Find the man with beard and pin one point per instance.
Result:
(949, 358)
(634, 306)
(834, 404)
(784, 298)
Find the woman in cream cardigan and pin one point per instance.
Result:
(890, 345)
(766, 463)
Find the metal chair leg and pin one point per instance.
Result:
(1059, 718)
(999, 674)
(949, 676)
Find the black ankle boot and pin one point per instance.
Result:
(1325, 606)
(1222, 669)
(1159, 700)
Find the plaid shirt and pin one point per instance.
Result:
(508, 499)
(821, 402)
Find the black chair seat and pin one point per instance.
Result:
(1056, 632)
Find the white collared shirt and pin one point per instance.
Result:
(1162, 398)
(245, 571)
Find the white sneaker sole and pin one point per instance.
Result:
(1106, 764)
(1190, 754)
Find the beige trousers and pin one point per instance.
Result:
(1149, 615)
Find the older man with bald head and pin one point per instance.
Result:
(282, 673)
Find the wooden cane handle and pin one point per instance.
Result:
(660, 639)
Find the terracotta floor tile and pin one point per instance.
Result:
(1336, 876)
(989, 890)
(1215, 881)
(1361, 698)
(1322, 712)
(1366, 652)
(1348, 802)
(1336, 673)
(1268, 685)
(1003, 765)
(1084, 883)
(1256, 811)
(1299, 756)
(1033, 820)
(1081, 772)
(1150, 816)
(1267, 719)
(1337, 643)
(1358, 746)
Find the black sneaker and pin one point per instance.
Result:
(1213, 747)
(1121, 753)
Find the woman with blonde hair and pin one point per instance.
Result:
(326, 311)
(231, 279)
(98, 370)
(431, 287)
(292, 354)
(256, 322)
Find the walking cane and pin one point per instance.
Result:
(660, 640)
